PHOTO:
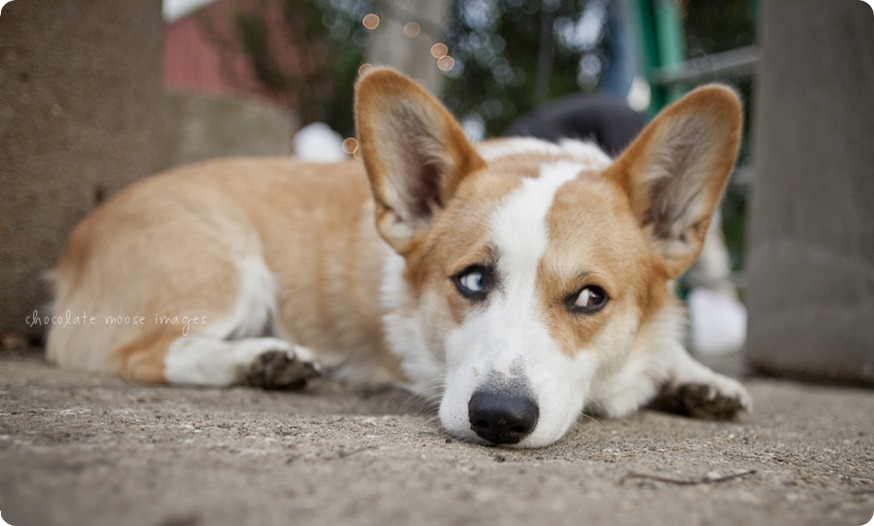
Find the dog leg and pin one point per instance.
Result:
(270, 363)
(143, 359)
(695, 390)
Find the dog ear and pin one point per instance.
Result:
(414, 151)
(676, 169)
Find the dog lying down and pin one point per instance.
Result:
(519, 282)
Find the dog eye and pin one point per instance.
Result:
(474, 282)
(589, 301)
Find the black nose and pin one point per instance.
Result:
(502, 417)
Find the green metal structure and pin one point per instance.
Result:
(662, 39)
(663, 52)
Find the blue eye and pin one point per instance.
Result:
(475, 282)
(472, 282)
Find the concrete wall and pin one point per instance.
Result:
(79, 85)
(82, 114)
(197, 127)
(811, 251)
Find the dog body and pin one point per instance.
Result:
(519, 281)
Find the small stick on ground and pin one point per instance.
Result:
(349, 452)
(686, 482)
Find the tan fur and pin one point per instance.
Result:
(612, 255)
(189, 225)
(142, 359)
(626, 269)
(447, 250)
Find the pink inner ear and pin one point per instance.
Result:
(424, 155)
(421, 193)
(678, 181)
(414, 155)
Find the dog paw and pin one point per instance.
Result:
(722, 398)
(281, 369)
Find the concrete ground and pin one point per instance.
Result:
(78, 449)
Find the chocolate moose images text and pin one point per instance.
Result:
(68, 318)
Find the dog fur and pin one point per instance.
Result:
(519, 282)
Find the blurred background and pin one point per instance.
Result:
(98, 94)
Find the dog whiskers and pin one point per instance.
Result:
(419, 405)
(584, 416)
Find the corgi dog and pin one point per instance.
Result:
(518, 282)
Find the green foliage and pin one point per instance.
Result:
(341, 23)
(256, 46)
(298, 51)
(510, 57)
(715, 26)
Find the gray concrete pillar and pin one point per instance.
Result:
(811, 237)
(80, 104)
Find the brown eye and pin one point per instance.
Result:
(589, 300)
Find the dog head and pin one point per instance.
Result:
(530, 270)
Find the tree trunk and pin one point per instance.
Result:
(391, 46)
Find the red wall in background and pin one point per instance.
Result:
(195, 60)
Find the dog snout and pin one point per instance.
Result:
(502, 417)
